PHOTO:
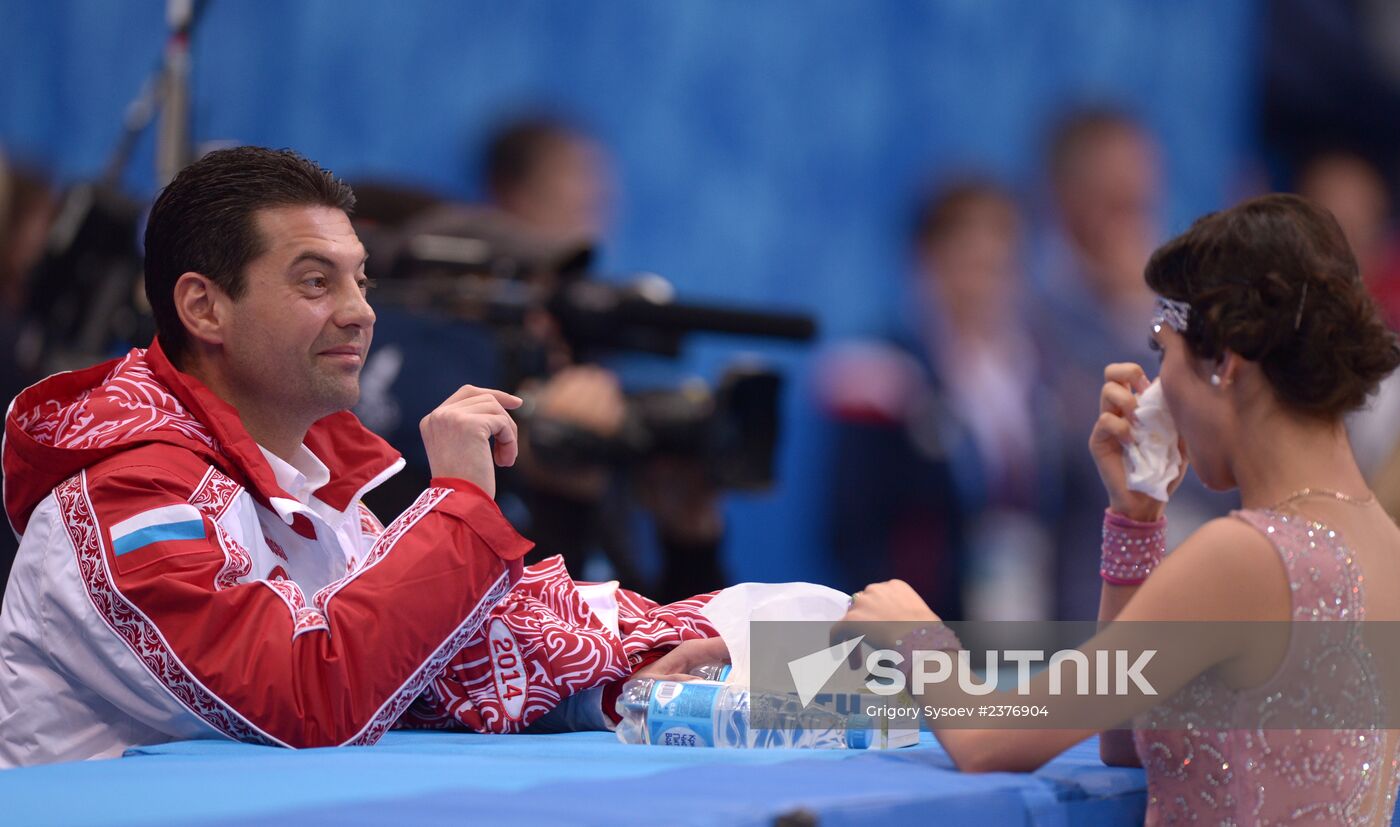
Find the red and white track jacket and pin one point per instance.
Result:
(549, 639)
(167, 588)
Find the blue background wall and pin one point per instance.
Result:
(767, 151)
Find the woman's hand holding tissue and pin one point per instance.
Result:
(877, 606)
(1117, 445)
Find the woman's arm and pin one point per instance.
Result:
(1112, 434)
(1199, 582)
(1116, 745)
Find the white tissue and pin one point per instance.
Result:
(731, 610)
(1153, 461)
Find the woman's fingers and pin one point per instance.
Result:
(1116, 399)
(1129, 374)
(1116, 427)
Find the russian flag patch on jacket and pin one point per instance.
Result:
(155, 533)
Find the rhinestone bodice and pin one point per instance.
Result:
(1259, 775)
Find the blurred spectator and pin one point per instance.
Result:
(1375, 437)
(1353, 190)
(1355, 193)
(27, 203)
(1329, 77)
(1385, 481)
(5, 199)
(946, 469)
(1105, 178)
(1094, 308)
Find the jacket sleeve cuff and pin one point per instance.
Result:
(470, 503)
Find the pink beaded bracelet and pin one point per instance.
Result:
(931, 638)
(1131, 549)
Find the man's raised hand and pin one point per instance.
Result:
(458, 436)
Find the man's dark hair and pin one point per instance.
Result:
(514, 151)
(1076, 135)
(946, 211)
(203, 222)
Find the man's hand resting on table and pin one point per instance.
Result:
(677, 664)
(458, 436)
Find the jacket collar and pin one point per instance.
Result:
(358, 459)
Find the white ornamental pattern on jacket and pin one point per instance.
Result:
(395, 707)
(134, 629)
(543, 642)
(214, 494)
(399, 527)
(130, 386)
(150, 647)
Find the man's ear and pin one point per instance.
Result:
(203, 308)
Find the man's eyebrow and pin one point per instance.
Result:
(323, 260)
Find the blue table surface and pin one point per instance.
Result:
(579, 778)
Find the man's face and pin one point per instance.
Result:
(568, 196)
(975, 272)
(1110, 203)
(298, 336)
(1356, 196)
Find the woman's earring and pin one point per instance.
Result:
(1215, 379)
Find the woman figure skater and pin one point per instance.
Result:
(1267, 339)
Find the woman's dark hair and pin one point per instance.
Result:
(1274, 281)
(203, 223)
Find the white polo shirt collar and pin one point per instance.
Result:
(302, 476)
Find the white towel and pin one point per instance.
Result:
(733, 608)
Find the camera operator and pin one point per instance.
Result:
(555, 181)
(475, 288)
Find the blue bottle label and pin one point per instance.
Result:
(682, 714)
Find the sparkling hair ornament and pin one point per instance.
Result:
(1174, 314)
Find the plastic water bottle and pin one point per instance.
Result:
(712, 672)
(711, 714)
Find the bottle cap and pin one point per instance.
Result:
(859, 731)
